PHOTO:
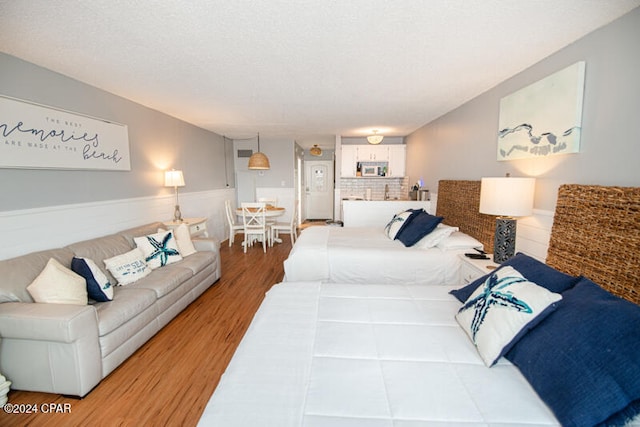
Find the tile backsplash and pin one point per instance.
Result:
(357, 187)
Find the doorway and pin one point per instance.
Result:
(318, 189)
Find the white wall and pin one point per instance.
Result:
(462, 143)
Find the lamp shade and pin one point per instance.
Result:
(507, 196)
(173, 178)
(315, 150)
(259, 161)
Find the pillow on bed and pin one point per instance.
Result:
(440, 233)
(419, 226)
(459, 240)
(583, 360)
(502, 310)
(398, 221)
(532, 269)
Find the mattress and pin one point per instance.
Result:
(367, 255)
(324, 354)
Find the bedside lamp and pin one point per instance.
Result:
(175, 179)
(508, 198)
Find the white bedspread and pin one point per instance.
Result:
(366, 355)
(366, 255)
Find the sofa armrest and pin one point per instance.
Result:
(52, 348)
(206, 244)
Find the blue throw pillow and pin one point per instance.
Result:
(418, 226)
(583, 360)
(98, 286)
(532, 269)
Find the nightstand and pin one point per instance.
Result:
(474, 268)
(197, 226)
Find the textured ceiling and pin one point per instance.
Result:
(306, 69)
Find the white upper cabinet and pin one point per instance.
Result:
(349, 161)
(397, 160)
(373, 153)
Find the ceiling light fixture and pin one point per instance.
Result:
(375, 138)
(315, 150)
(258, 161)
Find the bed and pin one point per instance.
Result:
(330, 354)
(367, 255)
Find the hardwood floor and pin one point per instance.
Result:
(170, 379)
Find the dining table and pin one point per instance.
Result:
(269, 212)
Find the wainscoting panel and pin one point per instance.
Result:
(533, 234)
(31, 230)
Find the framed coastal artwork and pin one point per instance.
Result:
(34, 136)
(544, 118)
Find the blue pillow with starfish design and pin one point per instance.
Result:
(501, 310)
(159, 249)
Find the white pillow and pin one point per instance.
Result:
(396, 223)
(59, 285)
(459, 240)
(502, 310)
(159, 249)
(128, 267)
(183, 237)
(441, 232)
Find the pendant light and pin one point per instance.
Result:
(258, 161)
(315, 150)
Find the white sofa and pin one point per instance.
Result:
(69, 349)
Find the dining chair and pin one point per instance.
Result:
(234, 228)
(269, 201)
(290, 227)
(255, 225)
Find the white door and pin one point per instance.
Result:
(319, 189)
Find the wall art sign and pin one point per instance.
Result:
(544, 118)
(34, 136)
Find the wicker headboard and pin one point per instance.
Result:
(459, 204)
(596, 233)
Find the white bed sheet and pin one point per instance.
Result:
(367, 255)
(366, 355)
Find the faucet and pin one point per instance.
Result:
(386, 191)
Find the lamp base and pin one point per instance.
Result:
(504, 242)
(177, 215)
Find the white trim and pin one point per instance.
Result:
(29, 230)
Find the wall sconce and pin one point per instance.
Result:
(508, 198)
(375, 138)
(175, 179)
(258, 161)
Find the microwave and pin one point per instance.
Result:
(370, 170)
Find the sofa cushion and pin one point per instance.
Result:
(127, 303)
(198, 261)
(164, 280)
(18, 273)
(57, 284)
(143, 230)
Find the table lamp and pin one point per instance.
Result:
(508, 198)
(175, 179)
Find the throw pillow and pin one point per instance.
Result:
(502, 310)
(459, 240)
(419, 226)
(397, 222)
(440, 233)
(583, 360)
(98, 286)
(128, 267)
(529, 267)
(159, 249)
(183, 238)
(59, 285)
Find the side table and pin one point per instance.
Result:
(475, 268)
(197, 226)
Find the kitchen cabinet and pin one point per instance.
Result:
(373, 153)
(397, 160)
(349, 161)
